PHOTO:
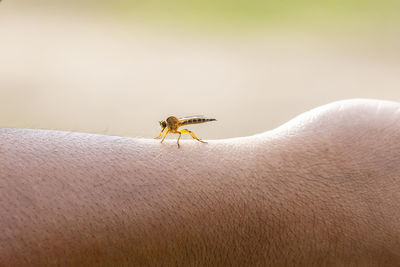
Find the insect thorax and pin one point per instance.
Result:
(172, 122)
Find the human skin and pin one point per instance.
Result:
(321, 190)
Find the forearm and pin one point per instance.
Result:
(279, 199)
(89, 199)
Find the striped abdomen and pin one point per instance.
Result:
(195, 121)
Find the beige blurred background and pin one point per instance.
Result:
(119, 67)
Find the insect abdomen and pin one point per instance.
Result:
(198, 120)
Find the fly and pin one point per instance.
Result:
(172, 123)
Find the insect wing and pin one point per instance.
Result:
(191, 117)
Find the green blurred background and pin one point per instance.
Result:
(118, 67)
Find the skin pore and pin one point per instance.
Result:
(321, 190)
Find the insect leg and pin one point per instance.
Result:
(165, 135)
(180, 134)
(192, 134)
(158, 137)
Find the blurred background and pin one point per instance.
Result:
(118, 67)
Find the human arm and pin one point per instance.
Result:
(321, 190)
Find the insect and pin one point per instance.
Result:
(172, 123)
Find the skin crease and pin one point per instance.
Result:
(321, 190)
